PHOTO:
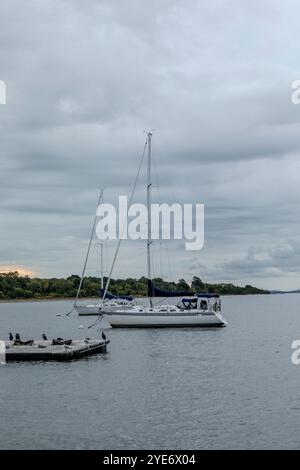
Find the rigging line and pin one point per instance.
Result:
(160, 270)
(163, 244)
(99, 318)
(87, 254)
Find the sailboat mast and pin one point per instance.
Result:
(149, 241)
(101, 265)
(101, 249)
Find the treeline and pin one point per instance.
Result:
(13, 286)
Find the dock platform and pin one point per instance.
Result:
(46, 351)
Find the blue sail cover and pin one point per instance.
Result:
(156, 292)
(206, 295)
(111, 296)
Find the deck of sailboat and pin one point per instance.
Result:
(160, 312)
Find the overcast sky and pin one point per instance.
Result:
(84, 79)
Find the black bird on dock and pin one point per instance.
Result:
(11, 337)
(103, 335)
(18, 339)
(44, 337)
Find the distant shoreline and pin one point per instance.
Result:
(16, 288)
(87, 299)
(45, 299)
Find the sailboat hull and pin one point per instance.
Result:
(160, 320)
(86, 310)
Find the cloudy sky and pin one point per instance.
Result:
(84, 79)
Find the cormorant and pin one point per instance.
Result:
(44, 337)
(18, 339)
(11, 338)
(103, 335)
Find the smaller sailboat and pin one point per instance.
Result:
(111, 301)
(204, 310)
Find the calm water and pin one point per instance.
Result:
(226, 388)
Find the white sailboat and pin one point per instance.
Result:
(200, 311)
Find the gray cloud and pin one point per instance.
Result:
(84, 79)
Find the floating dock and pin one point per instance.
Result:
(47, 351)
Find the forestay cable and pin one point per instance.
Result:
(120, 238)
